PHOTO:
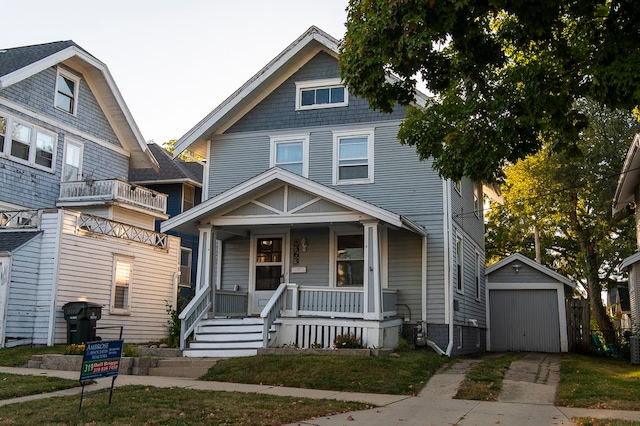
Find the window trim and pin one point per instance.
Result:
(457, 185)
(333, 256)
(303, 137)
(476, 199)
(326, 83)
(69, 76)
(113, 310)
(11, 121)
(80, 146)
(337, 137)
(181, 282)
(192, 201)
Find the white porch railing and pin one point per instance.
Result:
(192, 313)
(112, 190)
(272, 311)
(334, 302)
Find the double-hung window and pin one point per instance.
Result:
(291, 153)
(72, 168)
(66, 98)
(315, 94)
(27, 144)
(353, 157)
(121, 289)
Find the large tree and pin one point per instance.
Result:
(504, 75)
(565, 199)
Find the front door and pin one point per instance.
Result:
(269, 269)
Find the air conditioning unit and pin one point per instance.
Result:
(634, 346)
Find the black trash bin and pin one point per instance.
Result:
(81, 320)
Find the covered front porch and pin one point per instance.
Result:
(287, 261)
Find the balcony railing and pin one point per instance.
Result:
(98, 225)
(112, 190)
(20, 219)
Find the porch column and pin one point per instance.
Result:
(207, 259)
(372, 277)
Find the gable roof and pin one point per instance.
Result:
(629, 177)
(172, 170)
(20, 63)
(517, 257)
(277, 176)
(257, 88)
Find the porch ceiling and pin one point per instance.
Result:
(278, 197)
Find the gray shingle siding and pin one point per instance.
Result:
(277, 110)
(37, 94)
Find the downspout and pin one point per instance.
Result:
(447, 261)
(447, 231)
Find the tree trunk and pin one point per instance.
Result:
(598, 310)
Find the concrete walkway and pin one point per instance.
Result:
(525, 399)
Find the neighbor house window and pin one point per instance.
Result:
(67, 91)
(460, 336)
(72, 168)
(353, 157)
(188, 197)
(291, 153)
(316, 94)
(121, 290)
(27, 143)
(185, 267)
(476, 199)
(459, 269)
(457, 184)
(3, 133)
(477, 272)
(350, 261)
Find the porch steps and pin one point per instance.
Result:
(226, 337)
(182, 367)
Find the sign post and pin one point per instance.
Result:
(101, 359)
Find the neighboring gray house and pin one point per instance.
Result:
(326, 225)
(628, 191)
(72, 228)
(526, 306)
(182, 182)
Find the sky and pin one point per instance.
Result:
(173, 61)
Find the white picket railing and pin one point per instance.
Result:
(113, 190)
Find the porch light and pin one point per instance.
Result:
(517, 267)
(303, 244)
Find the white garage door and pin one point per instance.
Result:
(524, 320)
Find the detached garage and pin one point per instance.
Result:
(526, 306)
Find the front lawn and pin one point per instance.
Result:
(13, 385)
(404, 375)
(597, 382)
(20, 355)
(483, 381)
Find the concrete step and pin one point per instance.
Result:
(228, 337)
(230, 344)
(229, 328)
(219, 353)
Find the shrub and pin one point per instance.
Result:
(347, 341)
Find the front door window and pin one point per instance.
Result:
(268, 263)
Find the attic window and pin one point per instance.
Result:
(315, 94)
(67, 92)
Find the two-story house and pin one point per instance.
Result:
(182, 182)
(318, 222)
(627, 192)
(72, 227)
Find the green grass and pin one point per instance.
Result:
(483, 381)
(13, 385)
(134, 405)
(596, 382)
(19, 356)
(584, 421)
(405, 375)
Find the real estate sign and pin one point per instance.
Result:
(101, 359)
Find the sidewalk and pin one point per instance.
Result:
(433, 406)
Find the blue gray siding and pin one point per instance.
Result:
(405, 273)
(235, 263)
(315, 259)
